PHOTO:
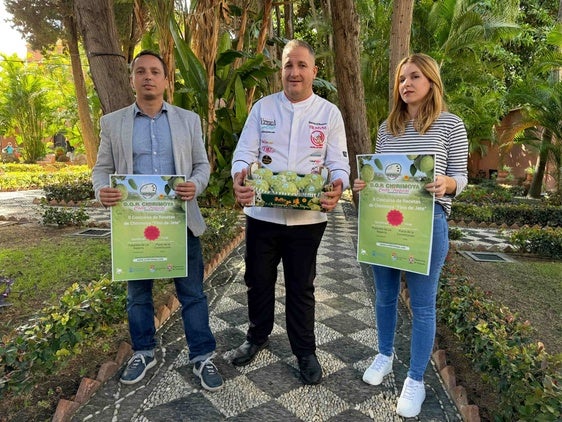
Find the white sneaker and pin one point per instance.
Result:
(381, 366)
(411, 398)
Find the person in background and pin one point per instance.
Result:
(291, 130)
(154, 137)
(8, 149)
(418, 124)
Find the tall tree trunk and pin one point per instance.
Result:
(262, 37)
(535, 189)
(108, 65)
(161, 10)
(205, 37)
(91, 140)
(288, 14)
(400, 30)
(345, 22)
(329, 60)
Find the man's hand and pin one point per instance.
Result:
(243, 194)
(109, 196)
(358, 185)
(330, 199)
(186, 190)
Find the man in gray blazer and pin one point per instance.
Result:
(154, 137)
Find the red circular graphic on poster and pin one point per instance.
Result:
(395, 217)
(317, 138)
(152, 232)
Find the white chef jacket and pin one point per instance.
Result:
(282, 135)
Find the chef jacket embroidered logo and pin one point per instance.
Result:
(267, 126)
(267, 149)
(317, 138)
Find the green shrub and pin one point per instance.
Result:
(528, 380)
(63, 216)
(222, 225)
(455, 233)
(554, 198)
(545, 242)
(521, 214)
(77, 191)
(488, 193)
(82, 314)
(33, 176)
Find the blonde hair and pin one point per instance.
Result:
(433, 103)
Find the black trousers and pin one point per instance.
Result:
(266, 245)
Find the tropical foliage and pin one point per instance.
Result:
(25, 112)
(227, 50)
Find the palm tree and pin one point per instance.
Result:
(24, 108)
(541, 127)
(465, 37)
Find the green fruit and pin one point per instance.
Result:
(259, 184)
(289, 175)
(378, 163)
(367, 173)
(412, 157)
(302, 182)
(124, 191)
(426, 163)
(289, 188)
(262, 173)
(312, 189)
(175, 182)
(132, 184)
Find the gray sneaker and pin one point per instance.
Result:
(136, 368)
(208, 374)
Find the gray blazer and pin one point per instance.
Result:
(115, 154)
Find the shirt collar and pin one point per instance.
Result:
(138, 112)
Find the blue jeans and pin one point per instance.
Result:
(194, 309)
(423, 294)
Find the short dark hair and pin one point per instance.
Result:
(153, 54)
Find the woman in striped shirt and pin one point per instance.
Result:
(418, 124)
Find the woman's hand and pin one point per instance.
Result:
(441, 186)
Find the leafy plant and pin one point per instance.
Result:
(545, 242)
(77, 191)
(527, 378)
(83, 313)
(63, 216)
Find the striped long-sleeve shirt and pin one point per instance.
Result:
(446, 138)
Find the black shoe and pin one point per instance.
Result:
(247, 352)
(311, 371)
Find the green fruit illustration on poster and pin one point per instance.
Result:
(124, 191)
(367, 173)
(426, 163)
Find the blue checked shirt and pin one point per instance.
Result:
(152, 143)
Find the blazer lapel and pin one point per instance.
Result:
(127, 138)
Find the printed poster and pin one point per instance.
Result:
(148, 228)
(395, 211)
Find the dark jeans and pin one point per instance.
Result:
(266, 245)
(194, 311)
